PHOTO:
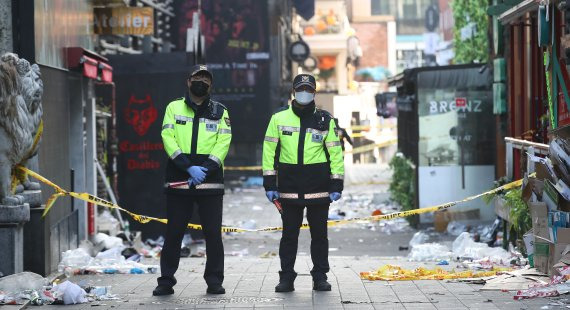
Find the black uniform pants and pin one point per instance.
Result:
(178, 212)
(292, 216)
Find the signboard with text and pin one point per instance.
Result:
(236, 37)
(123, 20)
(143, 92)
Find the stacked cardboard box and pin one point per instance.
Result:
(548, 198)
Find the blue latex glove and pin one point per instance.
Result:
(335, 196)
(272, 195)
(197, 175)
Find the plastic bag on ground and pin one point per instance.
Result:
(106, 216)
(465, 247)
(75, 258)
(111, 254)
(22, 281)
(108, 241)
(71, 293)
(78, 261)
(430, 252)
(456, 228)
(419, 238)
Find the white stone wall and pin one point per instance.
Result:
(6, 43)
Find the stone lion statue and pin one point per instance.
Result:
(21, 90)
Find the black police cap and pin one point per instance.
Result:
(304, 79)
(200, 68)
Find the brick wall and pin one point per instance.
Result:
(374, 42)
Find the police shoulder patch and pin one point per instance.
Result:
(227, 120)
(325, 113)
(219, 104)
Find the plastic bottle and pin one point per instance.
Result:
(127, 229)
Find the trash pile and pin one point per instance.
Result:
(152, 248)
(30, 288)
(79, 261)
(559, 285)
(369, 203)
(475, 255)
(548, 198)
(106, 255)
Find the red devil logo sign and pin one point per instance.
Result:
(140, 113)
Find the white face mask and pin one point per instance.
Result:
(304, 98)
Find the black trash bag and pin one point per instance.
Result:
(185, 251)
(128, 252)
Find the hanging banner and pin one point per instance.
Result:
(143, 92)
(236, 38)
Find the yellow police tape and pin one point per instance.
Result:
(396, 273)
(19, 176)
(59, 192)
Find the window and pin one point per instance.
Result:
(383, 7)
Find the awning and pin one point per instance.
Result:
(89, 67)
(305, 8)
(106, 72)
(89, 62)
(518, 10)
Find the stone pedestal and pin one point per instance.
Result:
(33, 198)
(36, 258)
(12, 219)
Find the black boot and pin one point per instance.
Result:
(216, 289)
(321, 285)
(162, 290)
(284, 286)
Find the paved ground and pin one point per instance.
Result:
(250, 284)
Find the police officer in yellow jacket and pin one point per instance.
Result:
(196, 133)
(303, 167)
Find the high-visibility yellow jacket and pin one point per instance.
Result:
(196, 136)
(302, 156)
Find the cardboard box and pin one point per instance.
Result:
(564, 261)
(528, 239)
(543, 172)
(539, 216)
(535, 186)
(556, 220)
(542, 256)
(557, 250)
(442, 218)
(501, 208)
(553, 199)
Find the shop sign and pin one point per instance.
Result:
(124, 20)
(460, 102)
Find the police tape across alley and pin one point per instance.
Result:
(60, 192)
